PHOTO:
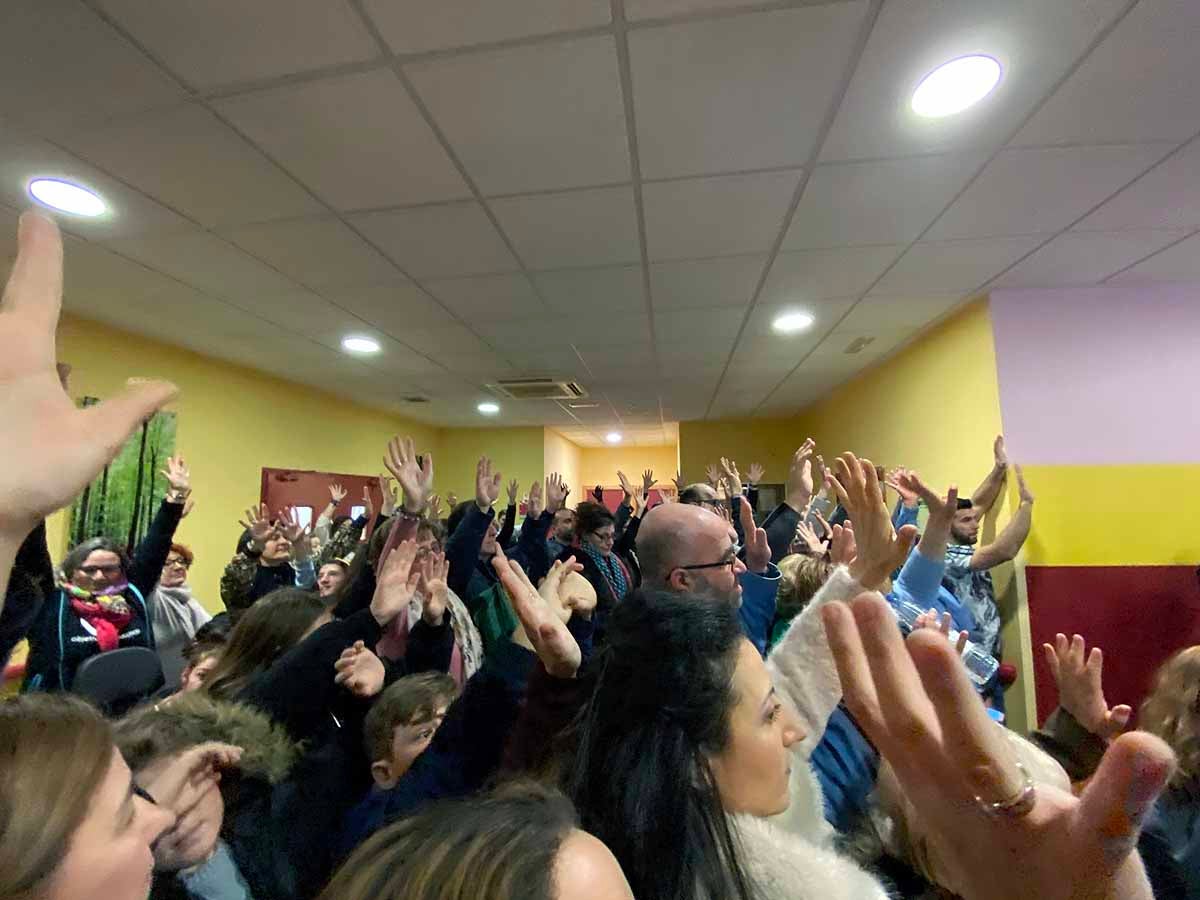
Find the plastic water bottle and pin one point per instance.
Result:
(981, 665)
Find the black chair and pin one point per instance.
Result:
(116, 680)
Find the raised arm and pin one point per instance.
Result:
(1009, 542)
(462, 547)
(151, 552)
(985, 495)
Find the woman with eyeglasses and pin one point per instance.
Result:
(175, 615)
(604, 557)
(101, 603)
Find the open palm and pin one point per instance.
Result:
(51, 448)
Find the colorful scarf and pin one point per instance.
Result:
(107, 612)
(611, 568)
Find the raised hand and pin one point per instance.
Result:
(806, 536)
(556, 492)
(598, 494)
(576, 594)
(799, 488)
(880, 549)
(290, 527)
(680, 484)
(51, 449)
(368, 503)
(826, 530)
(415, 479)
(895, 479)
(943, 625)
(512, 489)
(337, 494)
(1000, 452)
(258, 523)
(535, 506)
(732, 477)
(435, 568)
(912, 698)
(397, 583)
(754, 474)
(711, 471)
(177, 785)
(388, 493)
(487, 484)
(626, 486)
(842, 546)
(758, 550)
(435, 507)
(1080, 686)
(179, 479)
(360, 671)
(1022, 487)
(451, 499)
(648, 482)
(543, 614)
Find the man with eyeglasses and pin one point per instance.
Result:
(688, 548)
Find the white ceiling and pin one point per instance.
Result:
(624, 192)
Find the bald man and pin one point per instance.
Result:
(687, 548)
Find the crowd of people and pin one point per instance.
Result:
(692, 698)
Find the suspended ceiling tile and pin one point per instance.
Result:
(220, 42)
(205, 262)
(1031, 191)
(439, 241)
(737, 93)
(188, 159)
(825, 312)
(394, 306)
(489, 297)
(807, 276)
(538, 117)
(1035, 43)
(54, 50)
(888, 313)
(879, 202)
(319, 252)
(1076, 258)
(413, 26)
(718, 325)
(1138, 85)
(1168, 196)
(703, 283)
(1180, 262)
(722, 216)
(578, 228)
(618, 289)
(953, 266)
(331, 135)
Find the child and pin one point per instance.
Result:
(403, 721)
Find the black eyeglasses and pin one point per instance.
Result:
(177, 561)
(93, 571)
(731, 562)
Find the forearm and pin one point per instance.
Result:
(151, 554)
(989, 489)
(934, 539)
(1009, 542)
(462, 549)
(531, 551)
(781, 528)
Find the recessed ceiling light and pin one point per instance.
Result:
(792, 322)
(488, 408)
(358, 344)
(613, 437)
(953, 86)
(67, 197)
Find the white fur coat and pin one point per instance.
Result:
(791, 856)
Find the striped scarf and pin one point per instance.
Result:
(612, 568)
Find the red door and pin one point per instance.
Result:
(308, 491)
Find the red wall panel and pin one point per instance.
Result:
(1138, 615)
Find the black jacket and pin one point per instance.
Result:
(59, 641)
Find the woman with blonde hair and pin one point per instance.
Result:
(1171, 840)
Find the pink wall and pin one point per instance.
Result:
(1100, 376)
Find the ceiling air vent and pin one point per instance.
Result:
(538, 389)
(415, 399)
(859, 344)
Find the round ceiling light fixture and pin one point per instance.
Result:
(488, 408)
(956, 85)
(359, 344)
(67, 197)
(793, 322)
(613, 437)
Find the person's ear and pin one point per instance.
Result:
(381, 772)
(678, 580)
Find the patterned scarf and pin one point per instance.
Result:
(106, 611)
(612, 568)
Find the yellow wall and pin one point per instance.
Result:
(232, 421)
(770, 442)
(514, 452)
(599, 465)
(563, 456)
